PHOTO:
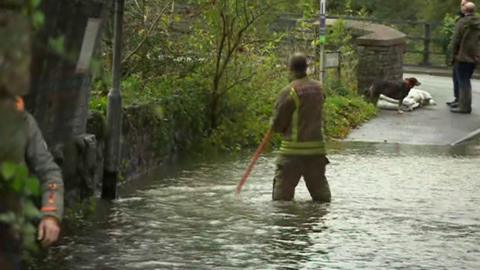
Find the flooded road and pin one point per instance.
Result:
(394, 207)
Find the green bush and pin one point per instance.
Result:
(342, 113)
(247, 108)
(18, 192)
(446, 31)
(174, 106)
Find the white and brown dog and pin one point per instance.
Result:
(416, 98)
(393, 89)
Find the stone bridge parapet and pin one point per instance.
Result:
(380, 49)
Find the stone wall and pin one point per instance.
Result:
(380, 50)
(379, 62)
(147, 141)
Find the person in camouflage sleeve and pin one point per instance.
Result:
(298, 117)
(21, 140)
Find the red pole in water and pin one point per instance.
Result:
(255, 157)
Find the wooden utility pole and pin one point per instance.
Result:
(322, 37)
(114, 112)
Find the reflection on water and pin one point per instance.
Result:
(394, 207)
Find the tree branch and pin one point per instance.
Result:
(237, 83)
(236, 44)
(147, 35)
(218, 71)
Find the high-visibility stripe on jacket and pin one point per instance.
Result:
(299, 117)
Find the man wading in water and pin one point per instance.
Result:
(299, 118)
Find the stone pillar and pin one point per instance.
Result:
(379, 63)
(380, 51)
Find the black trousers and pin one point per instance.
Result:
(455, 82)
(461, 84)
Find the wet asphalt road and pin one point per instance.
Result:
(431, 125)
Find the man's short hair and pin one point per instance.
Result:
(469, 8)
(298, 63)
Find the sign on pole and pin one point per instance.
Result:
(88, 45)
(323, 21)
(322, 37)
(332, 59)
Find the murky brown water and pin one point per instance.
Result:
(394, 207)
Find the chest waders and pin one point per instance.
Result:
(294, 146)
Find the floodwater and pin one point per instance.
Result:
(394, 207)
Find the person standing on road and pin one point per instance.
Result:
(466, 55)
(298, 117)
(454, 103)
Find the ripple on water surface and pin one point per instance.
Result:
(391, 209)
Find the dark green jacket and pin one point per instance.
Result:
(466, 40)
(20, 134)
(298, 117)
(41, 164)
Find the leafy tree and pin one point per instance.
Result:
(426, 10)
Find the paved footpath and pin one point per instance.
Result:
(430, 125)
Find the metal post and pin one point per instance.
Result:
(114, 112)
(339, 67)
(322, 37)
(426, 45)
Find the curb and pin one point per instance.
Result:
(435, 71)
(472, 135)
